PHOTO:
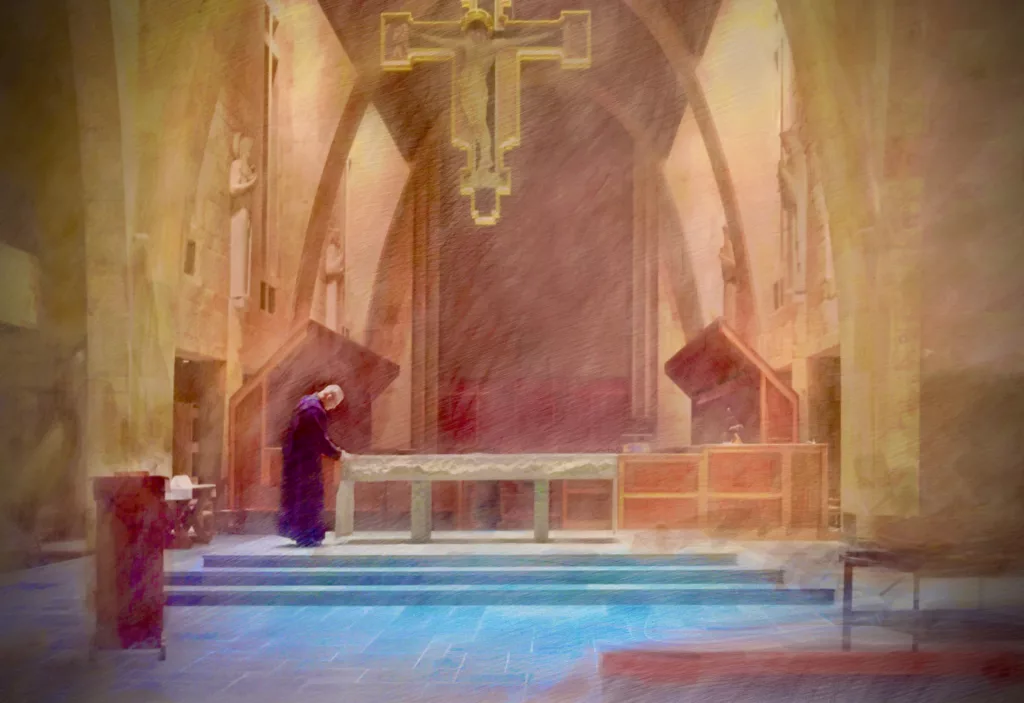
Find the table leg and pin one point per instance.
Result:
(181, 539)
(917, 610)
(421, 511)
(541, 509)
(202, 519)
(615, 504)
(847, 605)
(345, 509)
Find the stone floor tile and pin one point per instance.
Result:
(262, 683)
(492, 663)
(392, 645)
(438, 655)
(471, 693)
(335, 677)
(384, 692)
(405, 662)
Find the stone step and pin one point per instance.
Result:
(433, 575)
(504, 595)
(334, 561)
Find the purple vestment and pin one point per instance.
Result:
(302, 478)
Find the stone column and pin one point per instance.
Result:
(422, 510)
(541, 510)
(868, 80)
(425, 196)
(146, 105)
(898, 327)
(801, 382)
(107, 433)
(344, 506)
(795, 182)
(644, 365)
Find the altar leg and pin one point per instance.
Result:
(421, 511)
(541, 509)
(345, 509)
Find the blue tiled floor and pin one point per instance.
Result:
(370, 654)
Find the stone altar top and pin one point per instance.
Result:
(478, 467)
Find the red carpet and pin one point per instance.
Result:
(690, 666)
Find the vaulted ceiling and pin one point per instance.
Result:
(629, 77)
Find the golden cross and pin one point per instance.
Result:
(482, 45)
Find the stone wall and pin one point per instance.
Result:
(375, 181)
(747, 74)
(972, 323)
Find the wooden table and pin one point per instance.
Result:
(191, 509)
(921, 564)
(877, 558)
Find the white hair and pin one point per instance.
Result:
(331, 396)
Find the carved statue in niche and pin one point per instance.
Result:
(794, 185)
(727, 258)
(242, 179)
(334, 273)
(398, 46)
(820, 206)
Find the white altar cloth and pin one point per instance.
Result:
(479, 467)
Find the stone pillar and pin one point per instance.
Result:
(345, 507)
(680, 318)
(644, 365)
(910, 77)
(421, 507)
(144, 105)
(425, 196)
(541, 510)
(801, 382)
(108, 428)
(869, 79)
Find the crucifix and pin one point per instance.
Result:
(486, 50)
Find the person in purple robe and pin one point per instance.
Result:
(302, 477)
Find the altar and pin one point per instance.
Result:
(422, 470)
(776, 491)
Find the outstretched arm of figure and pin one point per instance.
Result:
(327, 447)
(523, 39)
(446, 42)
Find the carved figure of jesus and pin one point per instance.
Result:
(821, 213)
(478, 49)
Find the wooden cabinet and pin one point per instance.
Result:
(773, 491)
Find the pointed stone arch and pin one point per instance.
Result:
(669, 37)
